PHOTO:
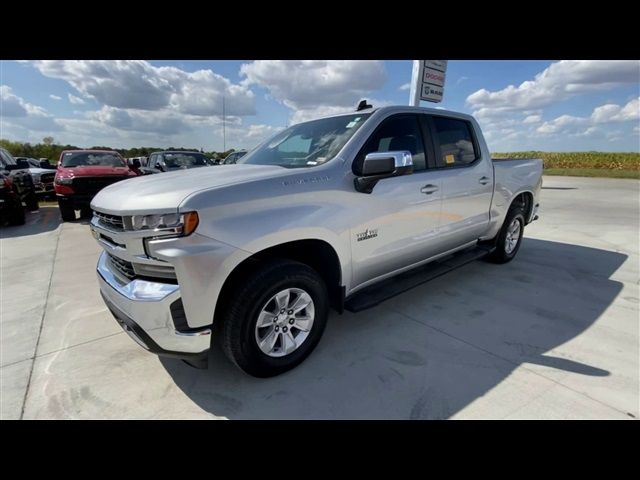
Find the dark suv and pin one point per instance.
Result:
(20, 178)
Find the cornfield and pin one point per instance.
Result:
(573, 160)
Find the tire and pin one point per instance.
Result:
(17, 216)
(32, 202)
(505, 251)
(68, 213)
(253, 296)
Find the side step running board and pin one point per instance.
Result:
(386, 289)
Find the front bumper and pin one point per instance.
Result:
(75, 201)
(143, 310)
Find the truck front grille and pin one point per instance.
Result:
(161, 273)
(123, 267)
(110, 222)
(92, 185)
(47, 177)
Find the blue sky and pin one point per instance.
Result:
(521, 105)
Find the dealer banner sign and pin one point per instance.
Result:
(427, 82)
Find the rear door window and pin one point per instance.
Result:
(454, 142)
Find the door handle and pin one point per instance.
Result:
(483, 180)
(429, 189)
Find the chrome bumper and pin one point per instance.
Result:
(142, 308)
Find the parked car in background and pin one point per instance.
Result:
(168, 161)
(83, 173)
(135, 163)
(233, 157)
(42, 174)
(325, 214)
(22, 183)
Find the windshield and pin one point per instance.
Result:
(185, 160)
(91, 159)
(307, 144)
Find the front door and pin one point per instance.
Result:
(400, 217)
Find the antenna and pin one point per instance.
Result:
(363, 105)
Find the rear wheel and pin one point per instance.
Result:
(67, 212)
(510, 237)
(276, 318)
(17, 217)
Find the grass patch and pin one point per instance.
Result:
(592, 172)
(584, 164)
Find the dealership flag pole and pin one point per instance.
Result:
(416, 82)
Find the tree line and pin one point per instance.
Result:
(51, 151)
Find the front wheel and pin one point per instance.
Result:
(68, 213)
(32, 202)
(275, 319)
(17, 217)
(510, 237)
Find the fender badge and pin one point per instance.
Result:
(367, 234)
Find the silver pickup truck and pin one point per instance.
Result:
(320, 216)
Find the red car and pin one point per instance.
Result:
(83, 173)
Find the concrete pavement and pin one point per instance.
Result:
(553, 334)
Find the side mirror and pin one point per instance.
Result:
(379, 165)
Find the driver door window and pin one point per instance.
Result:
(400, 132)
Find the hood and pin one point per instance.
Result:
(40, 171)
(93, 171)
(163, 192)
(185, 167)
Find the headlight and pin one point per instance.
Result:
(172, 223)
(35, 177)
(64, 180)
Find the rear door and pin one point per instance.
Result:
(467, 180)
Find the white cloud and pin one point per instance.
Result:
(136, 84)
(564, 123)
(304, 115)
(15, 110)
(238, 136)
(461, 79)
(532, 119)
(405, 86)
(310, 86)
(75, 100)
(55, 97)
(161, 122)
(12, 105)
(610, 113)
(616, 113)
(557, 82)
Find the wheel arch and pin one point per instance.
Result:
(317, 254)
(524, 199)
